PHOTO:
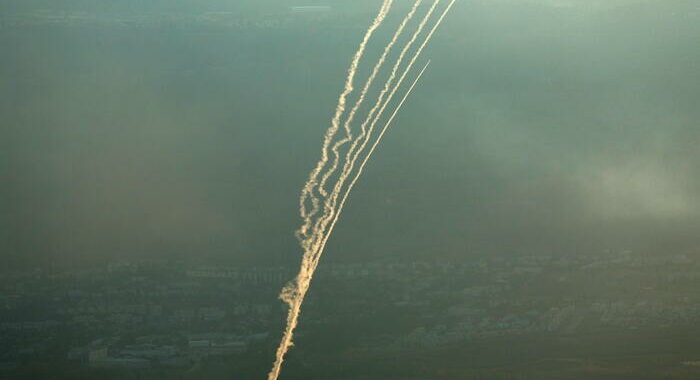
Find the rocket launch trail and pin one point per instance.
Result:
(318, 207)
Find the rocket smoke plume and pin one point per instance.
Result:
(318, 221)
(365, 134)
(335, 122)
(363, 94)
(351, 162)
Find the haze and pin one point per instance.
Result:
(181, 130)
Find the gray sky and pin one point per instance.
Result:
(179, 130)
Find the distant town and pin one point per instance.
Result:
(168, 315)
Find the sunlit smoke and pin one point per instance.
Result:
(369, 154)
(364, 135)
(361, 98)
(334, 211)
(314, 235)
(335, 121)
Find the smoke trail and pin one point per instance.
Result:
(392, 75)
(401, 79)
(295, 296)
(398, 83)
(349, 161)
(294, 292)
(324, 221)
(364, 162)
(335, 121)
(313, 245)
(361, 98)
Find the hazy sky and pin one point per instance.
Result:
(170, 129)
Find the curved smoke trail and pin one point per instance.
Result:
(364, 162)
(377, 117)
(335, 121)
(336, 210)
(294, 292)
(313, 242)
(364, 135)
(363, 93)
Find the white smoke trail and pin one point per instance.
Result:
(401, 79)
(294, 292)
(361, 98)
(391, 78)
(313, 245)
(295, 296)
(335, 121)
(364, 162)
(403, 76)
(335, 210)
(331, 201)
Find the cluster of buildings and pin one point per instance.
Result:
(181, 351)
(173, 315)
